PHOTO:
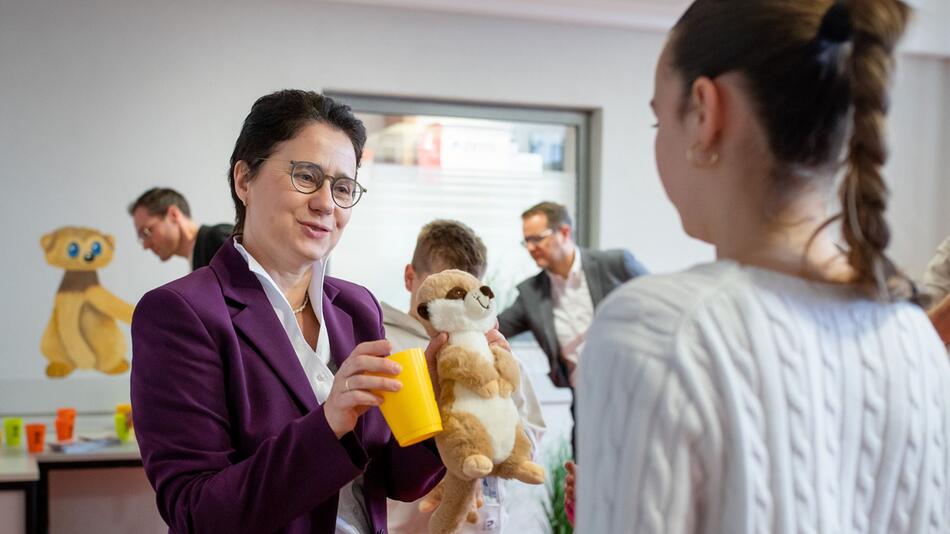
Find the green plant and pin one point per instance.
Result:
(554, 505)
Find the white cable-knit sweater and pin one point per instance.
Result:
(730, 399)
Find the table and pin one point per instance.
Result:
(19, 472)
(30, 473)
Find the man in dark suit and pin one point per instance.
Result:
(557, 305)
(553, 304)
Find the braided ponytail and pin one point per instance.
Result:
(813, 68)
(878, 25)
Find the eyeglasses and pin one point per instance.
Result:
(308, 177)
(535, 240)
(146, 232)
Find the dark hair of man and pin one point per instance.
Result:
(445, 244)
(818, 72)
(280, 116)
(157, 200)
(556, 214)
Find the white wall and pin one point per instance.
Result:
(918, 171)
(100, 100)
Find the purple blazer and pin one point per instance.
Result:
(232, 437)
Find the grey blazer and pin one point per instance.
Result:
(534, 309)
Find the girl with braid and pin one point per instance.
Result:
(793, 385)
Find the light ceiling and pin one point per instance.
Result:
(927, 35)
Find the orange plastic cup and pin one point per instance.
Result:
(411, 412)
(64, 429)
(66, 413)
(35, 437)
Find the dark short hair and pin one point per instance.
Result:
(157, 200)
(818, 74)
(556, 213)
(449, 245)
(280, 116)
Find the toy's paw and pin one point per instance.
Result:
(530, 473)
(120, 368)
(58, 370)
(505, 388)
(477, 502)
(489, 390)
(430, 502)
(477, 466)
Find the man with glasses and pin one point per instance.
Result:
(163, 223)
(557, 305)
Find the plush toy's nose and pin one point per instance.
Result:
(487, 292)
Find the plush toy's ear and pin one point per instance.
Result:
(47, 241)
(423, 311)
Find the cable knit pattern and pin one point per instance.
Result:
(910, 470)
(733, 400)
(872, 426)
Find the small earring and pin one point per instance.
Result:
(709, 162)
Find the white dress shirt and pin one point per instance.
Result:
(573, 311)
(351, 515)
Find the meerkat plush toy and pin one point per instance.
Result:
(482, 431)
(82, 332)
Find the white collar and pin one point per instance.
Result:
(315, 291)
(574, 272)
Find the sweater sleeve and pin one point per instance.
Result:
(637, 470)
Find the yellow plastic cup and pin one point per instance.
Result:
(122, 430)
(13, 431)
(411, 412)
(125, 408)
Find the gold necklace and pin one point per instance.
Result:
(306, 299)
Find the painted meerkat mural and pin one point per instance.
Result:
(82, 332)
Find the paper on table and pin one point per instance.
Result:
(84, 445)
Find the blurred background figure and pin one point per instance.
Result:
(162, 220)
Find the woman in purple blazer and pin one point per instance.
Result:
(253, 409)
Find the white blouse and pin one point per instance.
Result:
(351, 511)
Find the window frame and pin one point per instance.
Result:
(579, 119)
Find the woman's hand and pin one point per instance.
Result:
(432, 351)
(353, 387)
(495, 338)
